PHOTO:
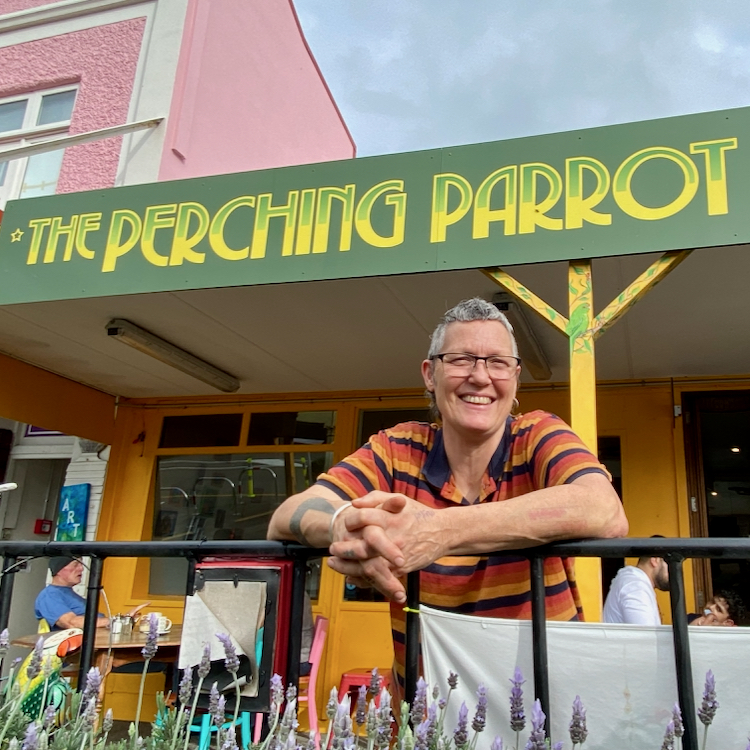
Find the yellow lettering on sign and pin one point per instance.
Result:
(116, 247)
(263, 215)
(393, 190)
(441, 218)
(305, 223)
(216, 230)
(621, 188)
(716, 172)
(88, 223)
(326, 196)
(530, 213)
(183, 242)
(58, 229)
(484, 214)
(577, 208)
(157, 217)
(37, 227)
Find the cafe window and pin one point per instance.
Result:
(292, 428)
(201, 431)
(223, 496)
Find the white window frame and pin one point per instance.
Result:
(28, 133)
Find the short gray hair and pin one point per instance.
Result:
(467, 311)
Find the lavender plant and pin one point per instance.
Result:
(148, 651)
(517, 716)
(538, 737)
(204, 667)
(232, 664)
(679, 728)
(668, 743)
(709, 705)
(578, 730)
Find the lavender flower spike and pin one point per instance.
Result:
(557, 746)
(517, 716)
(35, 663)
(480, 716)
(93, 685)
(668, 743)
(361, 713)
(4, 642)
(419, 704)
(333, 702)
(679, 728)
(538, 736)
(375, 680)
(90, 713)
(231, 662)
(205, 664)
(185, 690)
(452, 680)
(497, 744)
(149, 650)
(422, 735)
(48, 719)
(709, 705)
(277, 694)
(31, 740)
(578, 730)
(460, 733)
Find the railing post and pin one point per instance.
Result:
(682, 662)
(539, 633)
(411, 661)
(6, 589)
(299, 571)
(90, 617)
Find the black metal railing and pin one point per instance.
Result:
(674, 551)
(193, 551)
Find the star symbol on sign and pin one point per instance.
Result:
(16, 236)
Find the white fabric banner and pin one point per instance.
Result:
(625, 675)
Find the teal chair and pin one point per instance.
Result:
(207, 728)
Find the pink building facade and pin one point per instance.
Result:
(135, 92)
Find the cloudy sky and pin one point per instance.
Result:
(417, 74)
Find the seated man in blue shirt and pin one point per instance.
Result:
(58, 604)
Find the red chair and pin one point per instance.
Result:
(355, 678)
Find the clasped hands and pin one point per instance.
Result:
(381, 538)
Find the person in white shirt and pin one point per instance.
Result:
(631, 597)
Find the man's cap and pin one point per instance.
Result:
(56, 564)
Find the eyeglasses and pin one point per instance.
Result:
(499, 367)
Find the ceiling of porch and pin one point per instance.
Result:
(373, 333)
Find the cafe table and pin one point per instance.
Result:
(113, 650)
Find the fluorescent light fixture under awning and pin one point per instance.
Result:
(148, 343)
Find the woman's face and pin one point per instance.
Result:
(473, 404)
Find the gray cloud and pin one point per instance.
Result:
(422, 74)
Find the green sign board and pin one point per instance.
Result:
(651, 186)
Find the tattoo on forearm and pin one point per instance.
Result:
(314, 503)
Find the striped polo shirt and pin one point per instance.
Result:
(537, 450)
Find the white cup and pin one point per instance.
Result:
(164, 626)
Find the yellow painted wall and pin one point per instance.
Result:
(35, 396)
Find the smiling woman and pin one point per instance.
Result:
(443, 499)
